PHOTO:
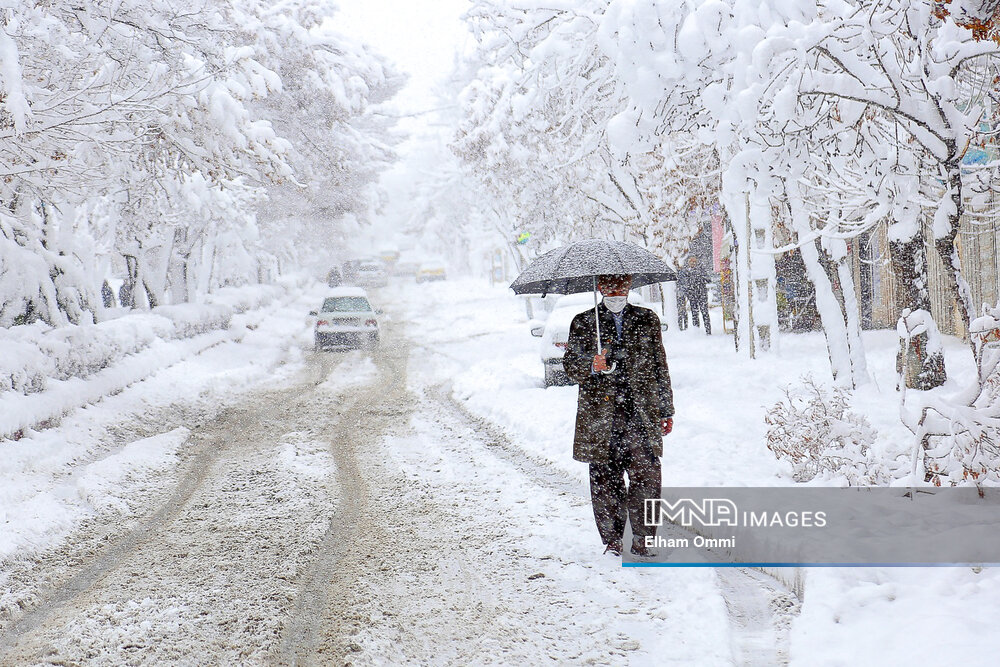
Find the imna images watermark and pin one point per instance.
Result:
(712, 512)
(823, 526)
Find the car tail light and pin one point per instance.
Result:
(322, 323)
(371, 323)
(562, 345)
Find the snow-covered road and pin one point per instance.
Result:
(350, 509)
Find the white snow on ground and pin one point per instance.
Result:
(635, 616)
(100, 482)
(361, 372)
(474, 339)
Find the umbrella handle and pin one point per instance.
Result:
(597, 317)
(597, 323)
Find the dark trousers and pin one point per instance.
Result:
(700, 305)
(682, 313)
(614, 501)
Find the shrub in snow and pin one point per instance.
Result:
(814, 430)
(23, 367)
(242, 299)
(191, 319)
(959, 437)
(35, 354)
(39, 353)
(80, 351)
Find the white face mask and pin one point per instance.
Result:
(615, 304)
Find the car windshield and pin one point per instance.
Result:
(345, 304)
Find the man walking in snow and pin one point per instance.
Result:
(625, 407)
(692, 282)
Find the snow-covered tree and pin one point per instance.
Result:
(328, 110)
(535, 131)
(133, 134)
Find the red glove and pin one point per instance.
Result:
(667, 425)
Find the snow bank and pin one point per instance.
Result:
(110, 355)
(251, 297)
(38, 507)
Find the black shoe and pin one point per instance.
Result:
(614, 548)
(641, 550)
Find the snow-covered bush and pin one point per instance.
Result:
(958, 438)
(816, 432)
(34, 354)
(80, 351)
(191, 319)
(23, 366)
(242, 299)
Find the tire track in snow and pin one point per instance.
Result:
(382, 575)
(98, 576)
(313, 634)
(100, 565)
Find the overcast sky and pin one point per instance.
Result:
(420, 36)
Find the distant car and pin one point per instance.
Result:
(554, 332)
(371, 274)
(346, 319)
(349, 271)
(431, 270)
(405, 268)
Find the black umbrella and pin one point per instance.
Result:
(574, 268)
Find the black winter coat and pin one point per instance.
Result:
(646, 375)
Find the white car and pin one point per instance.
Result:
(555, 332)
(371, 274)
(346, 319)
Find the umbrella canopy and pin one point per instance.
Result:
(572, 268)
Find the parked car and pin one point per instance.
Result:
(346, 319)
(554, 332)
(431, 270)
(371, 273)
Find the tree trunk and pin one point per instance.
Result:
(909, 264)
(948, 251)
(150, 294)
(126, 293)
(852, 317)
(838, 316)
(831, 315)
